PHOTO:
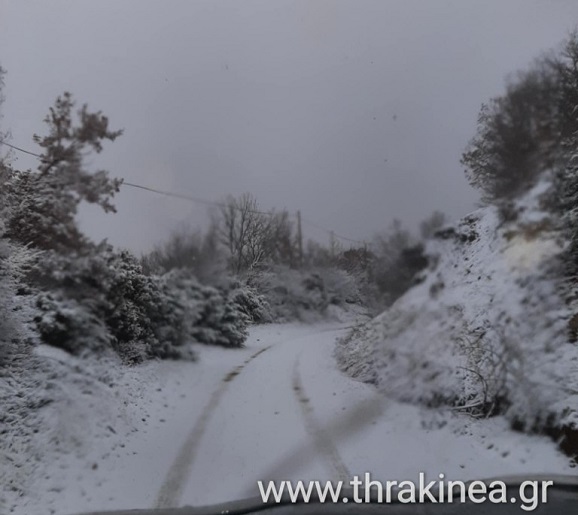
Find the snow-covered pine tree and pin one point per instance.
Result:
(47, 201)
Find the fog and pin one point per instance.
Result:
(354, 112)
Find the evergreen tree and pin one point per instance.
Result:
(46, 202)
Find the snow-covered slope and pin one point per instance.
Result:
(485, 327)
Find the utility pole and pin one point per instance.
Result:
(299, 239)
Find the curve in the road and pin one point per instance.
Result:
(178, 474)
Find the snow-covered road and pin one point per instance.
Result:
(260, 424)
(285, 413)
(206, 432)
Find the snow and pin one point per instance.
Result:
(276, 409)
(487, 323)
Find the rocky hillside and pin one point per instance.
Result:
(487, 328)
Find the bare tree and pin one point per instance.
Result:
(281, 241)
(253, 237)
(244, 230)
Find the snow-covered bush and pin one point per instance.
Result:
(15, 261)
(68, 324)
(251, 303)
(95, 301)
(292, 294)
(15, 303)
(342, 287)
(221, 322)
(103, 300)
(129, 298)
(189, 311)
(172, 316)
(304, 294)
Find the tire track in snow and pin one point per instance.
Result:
(321, 439)
(179, 472)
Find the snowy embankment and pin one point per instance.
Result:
(486, 329)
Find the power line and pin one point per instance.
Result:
(200, 200)
(172, 194)
(147, 188)
(194, 199)
(2, 142)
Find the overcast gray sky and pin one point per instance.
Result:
(354, 112)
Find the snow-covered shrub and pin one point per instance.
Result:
(15, 261)
(94, 301)
(129, 298)
(103, 300)
(342, 287)
(292, 294)
(68, 324)
(221, 322)
(15, 303)
(304, 294)
(251, 303)
(173, 315)
(189, 311)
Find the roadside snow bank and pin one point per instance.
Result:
(56, 409)
(486, 327)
